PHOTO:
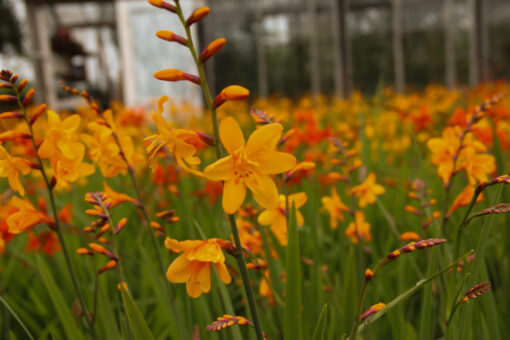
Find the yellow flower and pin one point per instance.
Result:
(194, 265)
(11, 167)
(25, 217)
(70, 170)
(249, 165)
(367, 191)
(477, 166)
(59, 136)
(115, 198)
(443, 151)
(359, 230)
(175, 140)
(276, 217)
(334, 206)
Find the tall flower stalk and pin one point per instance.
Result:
(202, 81)
(50, 184)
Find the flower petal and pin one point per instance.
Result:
(264, 138)
(264, 190)
(233, 196)
(204, 277)
(180, 270)
(231, 134)
(276, 162)
(221, 170)
(223, 273)
(267, 217)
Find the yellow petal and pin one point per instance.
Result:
(275, 162)
(223, 273)
(71, 123)
(299, 199)
(264, 190)
(264, 138)
(267, 217)
(204, 277)
(180, 270)
(233, 196)
(221, 170)
(231, 134)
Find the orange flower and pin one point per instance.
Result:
(59, 136)
(276, 217)
(334, 206)
(367, 191)
(174, 140)
(115, 198)
(25, 217)
(194, 265)
(359, 230)
(11, 167)
(464, 198)
(249, 165)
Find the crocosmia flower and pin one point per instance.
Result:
(193, 266)
(249, 165)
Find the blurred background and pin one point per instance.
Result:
(274, 47)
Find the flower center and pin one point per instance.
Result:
(243, 167)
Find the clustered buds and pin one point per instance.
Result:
(372, 310)
(476, 291)
(261, 117)
(228, 321)
(84, 94)
(420, 193)
(409, 248)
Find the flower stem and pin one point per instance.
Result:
(241, 261)
(357, 316)
(57, 228)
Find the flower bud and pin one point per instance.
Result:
(7, 115)
(10, 135)
(163, 5)
(212, 49)
(37, 113)
(369, 274)
(28, 97)
(110, 265)
(171, 36)
(22, 85)
(172, 74)
(7, 98)
(206, 138)
(197, 15)
(232, 92)
(83, 251)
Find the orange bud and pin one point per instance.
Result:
(98, 248)
(28, 97)
(5, 86)
(7, 98)
(88, 229)
(22, 85)
(171, 36)
(10, 135)
(83, 251)
(173, 74)
(110, 265)
(14, 78)
(212, 49)
(232, 92)
(120, 225)
(37, 113)
(163, 4)
(197, 15)
(7, 115)
(124, 285)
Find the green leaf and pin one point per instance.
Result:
(319, 333)
(61, 307)
(13, 313)
(136, 321)
(405, 295)
(292, 326)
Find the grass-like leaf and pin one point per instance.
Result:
(292, 330)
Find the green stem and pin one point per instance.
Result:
(465, 220)
(357, 317)
(241, 262)
(115, 252)
(58, 228)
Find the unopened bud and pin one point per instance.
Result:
(37, 113)
(212, 49)
(28, 97)
(232, 92)
(172, 74)
(171, 36)
(197, 15)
